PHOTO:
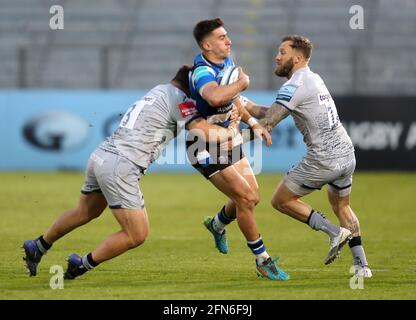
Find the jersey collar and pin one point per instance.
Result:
(301, 70)
(220, 66)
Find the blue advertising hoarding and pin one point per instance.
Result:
(57, 130)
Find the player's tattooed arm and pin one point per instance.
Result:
(274, 115)
(255, 110)
(256, 130)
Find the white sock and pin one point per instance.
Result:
(358, 255)
(259, 250)
(217, 225)
(262, 257)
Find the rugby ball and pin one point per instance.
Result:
(230, 76)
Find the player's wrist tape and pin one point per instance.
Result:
(252, 122)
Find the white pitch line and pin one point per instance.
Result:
(328, 270)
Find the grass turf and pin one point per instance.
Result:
(179, 261)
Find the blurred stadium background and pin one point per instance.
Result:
(62, 92)
(110, 52)
(134, 44)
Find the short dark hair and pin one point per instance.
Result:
(205, 27)
(182, 77)
(301, 44)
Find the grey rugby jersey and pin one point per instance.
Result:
(150, 123)
(315, 114)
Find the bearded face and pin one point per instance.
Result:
(284, 69)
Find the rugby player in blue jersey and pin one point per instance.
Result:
(231, 174)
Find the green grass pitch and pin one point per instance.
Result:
(179, 261)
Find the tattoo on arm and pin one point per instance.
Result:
(261, 112)
(257, 111)
(274, 115)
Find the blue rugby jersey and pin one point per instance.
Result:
(202, 73)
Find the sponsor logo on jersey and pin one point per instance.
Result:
(224, 109)
(187, 108)
(324, 97)
(149, 99)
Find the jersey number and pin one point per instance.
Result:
(333, 118)
(130, 117)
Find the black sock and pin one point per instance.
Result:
(223, 217)
(46, 245)
(357, 251)
(309, 218)
(356, 241)
(43, 246)
(91, 261)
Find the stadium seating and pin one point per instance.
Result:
(137, 44)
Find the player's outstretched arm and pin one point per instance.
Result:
(274, 115)
(256, 110)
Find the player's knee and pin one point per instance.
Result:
(254, 198)
(257, 197)
(85, 215)
(275, 203)
(248, 198)
(278, 204)
(82, 214)
(136, 240)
